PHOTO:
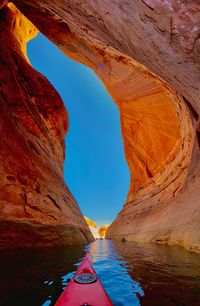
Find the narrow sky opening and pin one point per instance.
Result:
(95, 169)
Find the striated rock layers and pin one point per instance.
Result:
(36, 208)
(147, 54)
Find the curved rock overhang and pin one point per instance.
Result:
(116, 40)
(37, 209)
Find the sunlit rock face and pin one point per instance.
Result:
(94, 231)
(36, 208)
(118, 40)
(102, 230)
(90, 222)
(93, 227)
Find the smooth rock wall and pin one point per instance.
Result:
(131, 45)
(36, 207)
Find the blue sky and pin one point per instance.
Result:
(95, 169)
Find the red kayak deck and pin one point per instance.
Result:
(84, 289)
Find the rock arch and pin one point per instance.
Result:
(116, 39)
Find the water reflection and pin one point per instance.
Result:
(132, 274)
(35, 277)
(113, 270)
(168, 275)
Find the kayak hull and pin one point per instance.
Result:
(77, 294)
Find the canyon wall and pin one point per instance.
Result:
(36, 207)
(102, 230)
(147, 54)
(90, 222)
(93, 227)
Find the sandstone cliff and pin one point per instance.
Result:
(36, 208)
(93, 227)
(102, 230)
(147, 55)
(90, 222)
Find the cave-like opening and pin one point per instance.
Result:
(95, 169)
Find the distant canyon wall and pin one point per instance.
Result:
(147, 55)
(102, 230)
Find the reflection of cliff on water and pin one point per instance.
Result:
(132, 274)
(113, 270)
(32, 277)
(168, 275)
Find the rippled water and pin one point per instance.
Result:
(132, 274)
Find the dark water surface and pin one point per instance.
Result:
(132, 274)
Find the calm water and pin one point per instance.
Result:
(133, 274)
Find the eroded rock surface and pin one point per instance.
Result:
(36, 208)
(115, 39)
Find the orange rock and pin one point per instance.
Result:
(90, 222)
(36, 207)
(93, 227)
(3, 3)
(102, 230)
(158, 128)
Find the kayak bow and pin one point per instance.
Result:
(84, 289)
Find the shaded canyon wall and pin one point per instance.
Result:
(36, 207)
(147, 55)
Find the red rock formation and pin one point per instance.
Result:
(3, 3)
(36, 208)
(157, 126)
